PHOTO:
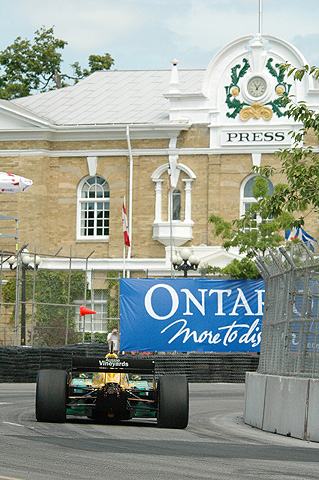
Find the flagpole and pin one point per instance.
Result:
(126, 238)
(124, 274)
(260, 17)
(128, 139)
(171, 222)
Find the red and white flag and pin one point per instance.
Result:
(11, 183)
(125, 226)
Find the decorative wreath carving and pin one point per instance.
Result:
(256, 110)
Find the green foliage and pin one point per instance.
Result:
(299, 73)
(98, 337)
(9, 291)
(28, 67)
(54, 319)
(254, 233)
(112, 288)
(299, 164)
(51, 320)
(244, 268)
(96, 62)
(9, 296)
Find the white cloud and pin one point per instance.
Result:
(149, 33)
(209, 27)
(88, 25)
(205, 24)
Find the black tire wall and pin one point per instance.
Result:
(21, 364)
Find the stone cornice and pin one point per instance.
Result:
(71, 133)
(138, 152)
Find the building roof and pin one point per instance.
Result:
(112, 97)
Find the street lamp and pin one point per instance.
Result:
(185, 261)
(22, 262)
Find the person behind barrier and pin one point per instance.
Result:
(114, 337)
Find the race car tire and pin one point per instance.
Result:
(173, 401)
(51, 395)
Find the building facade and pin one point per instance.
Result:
(179, 145)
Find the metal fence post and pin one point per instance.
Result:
(69, 296)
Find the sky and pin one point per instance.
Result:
(148, 34)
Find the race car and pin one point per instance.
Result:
(111, 389)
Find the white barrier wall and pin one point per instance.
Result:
(284, 405)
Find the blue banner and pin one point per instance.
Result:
(189, 315)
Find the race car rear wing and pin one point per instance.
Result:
(111, 364)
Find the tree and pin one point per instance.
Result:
(254, 233)
(300, 164)
(28, 68)
(96, 62)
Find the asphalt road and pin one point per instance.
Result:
(215, 445)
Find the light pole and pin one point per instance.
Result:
(22, 262)
(185, 261)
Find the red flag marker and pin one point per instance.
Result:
(85, 311)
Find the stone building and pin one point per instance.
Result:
(177, 144)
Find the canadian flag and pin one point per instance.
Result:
(125, 227)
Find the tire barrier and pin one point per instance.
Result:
(21, 364)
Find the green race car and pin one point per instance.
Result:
(112, 389)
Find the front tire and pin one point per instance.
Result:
(173, 401)
(51, 395)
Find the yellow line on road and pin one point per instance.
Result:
(10, 478)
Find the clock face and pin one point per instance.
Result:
(256, 86)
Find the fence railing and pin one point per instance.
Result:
(290, 332)
(41, 307)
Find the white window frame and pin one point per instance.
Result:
(186, 195)
(248, 200)
(95, 200)
(176, 197)
(99, 319)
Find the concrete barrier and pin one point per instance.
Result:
(284, 405)
(313, 411)
(255, 400)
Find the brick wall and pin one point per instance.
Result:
(47, 212)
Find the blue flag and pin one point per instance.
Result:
(300, 234)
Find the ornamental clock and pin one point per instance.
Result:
(256, 86)
(258, 95)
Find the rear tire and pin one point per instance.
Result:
(51, 395)
(173, 401)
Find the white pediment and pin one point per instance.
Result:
(240, 100)
(214, 256)
(17, 118)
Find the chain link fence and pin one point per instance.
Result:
(41, 307)
(290, 332)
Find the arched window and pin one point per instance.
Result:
(93, 208)
(247, 197)
(173, 209)
(177, 202)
